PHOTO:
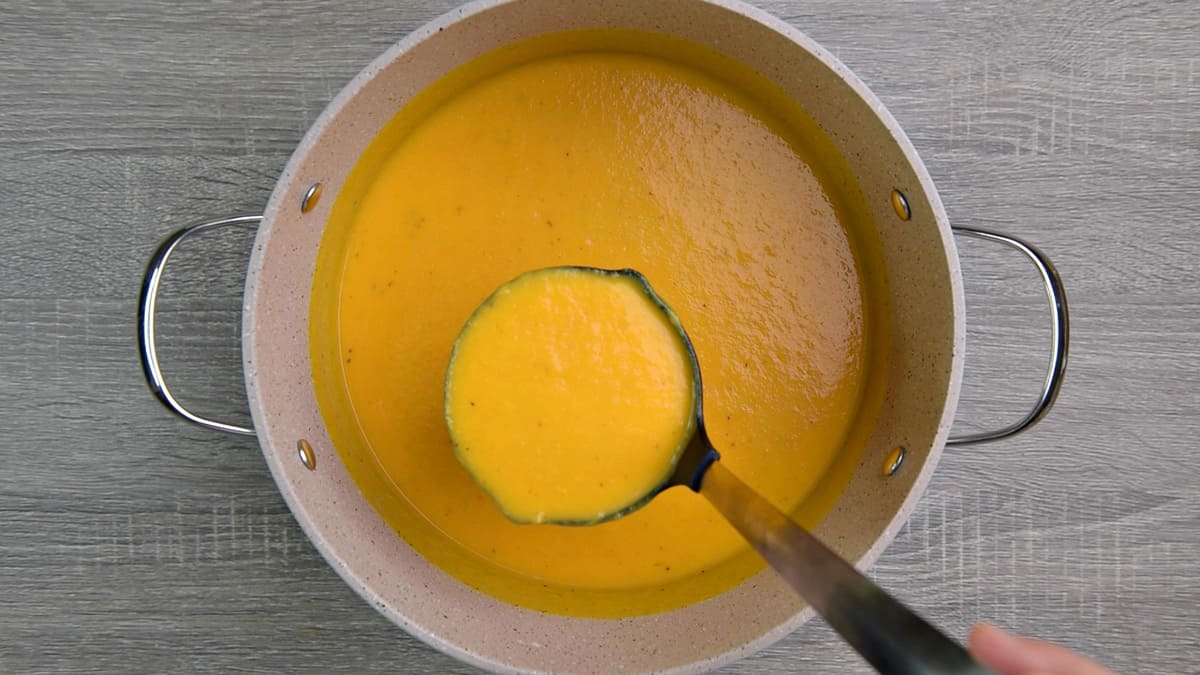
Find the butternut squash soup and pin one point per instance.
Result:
(606, 149)
(571, 393)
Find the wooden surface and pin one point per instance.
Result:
(131, 541)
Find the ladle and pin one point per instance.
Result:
(889, 635)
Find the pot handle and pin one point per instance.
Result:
(146, 307)
(1059, 337)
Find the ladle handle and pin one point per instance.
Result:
(891, 637)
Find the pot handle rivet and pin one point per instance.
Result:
(900, 205)
(894, 459)
(311, 197)
(307, 457)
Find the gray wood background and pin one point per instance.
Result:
(131, 541)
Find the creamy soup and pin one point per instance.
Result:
(613, 150)
(570, 395)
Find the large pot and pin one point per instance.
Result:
(926, 349)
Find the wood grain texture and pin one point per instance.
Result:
(133, 542)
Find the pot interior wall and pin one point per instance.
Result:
(925, 356)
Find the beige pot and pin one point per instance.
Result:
(926, 357)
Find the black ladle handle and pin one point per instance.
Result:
(891, 637)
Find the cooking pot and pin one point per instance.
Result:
(925, 359)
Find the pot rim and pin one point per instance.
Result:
(291, 173)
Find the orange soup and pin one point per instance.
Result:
(571, 394)
(613, 150)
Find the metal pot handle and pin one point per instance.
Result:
(1059, 337)
(1055, 295)
(146, 307)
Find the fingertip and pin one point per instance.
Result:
(981, 629)
(985, 635)
(978, 632)
(1009, 654)
(994, 648)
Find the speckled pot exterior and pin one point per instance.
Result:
(925, 360)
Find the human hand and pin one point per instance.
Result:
(1009, 654)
